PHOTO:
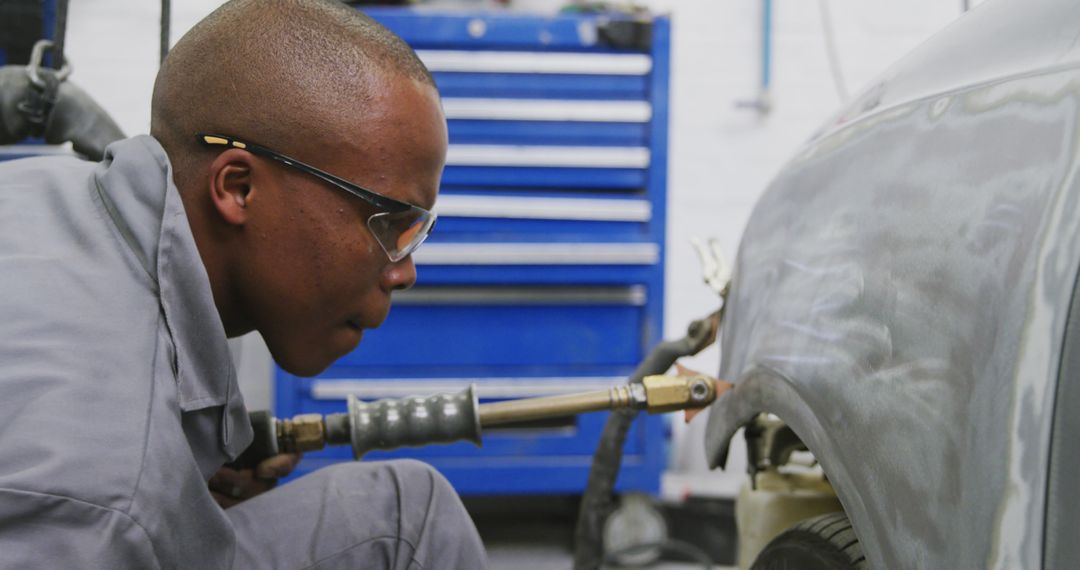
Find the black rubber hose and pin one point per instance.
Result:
(78, 119)
(75, 117)
(598, 500)
(14, 84)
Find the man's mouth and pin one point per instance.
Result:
(354, 324)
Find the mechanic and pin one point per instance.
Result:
(122, 280)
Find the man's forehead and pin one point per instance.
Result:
(397, 177)
(397, 147)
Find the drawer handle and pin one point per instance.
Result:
(632, 296)
(547, 110)
(513, 207)
(538, 254)
(547, 156)
(536, 62)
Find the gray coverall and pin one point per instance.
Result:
(118, 400)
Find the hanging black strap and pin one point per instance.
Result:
(59, 34)
(166, 23)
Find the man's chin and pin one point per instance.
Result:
(309, 359)
(305, 367)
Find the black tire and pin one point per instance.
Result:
(824, 542)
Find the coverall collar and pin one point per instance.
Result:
(136, 183)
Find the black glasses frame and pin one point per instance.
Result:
(369, 196)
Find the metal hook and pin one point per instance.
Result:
(714, 264)
(36, 57)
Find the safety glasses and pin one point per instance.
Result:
(399, 229)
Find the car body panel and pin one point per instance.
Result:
(901, 295)
(1062, 500)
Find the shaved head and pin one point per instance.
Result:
(287, 253)
(279, 72)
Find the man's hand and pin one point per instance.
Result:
(721, 387)
(230, 486)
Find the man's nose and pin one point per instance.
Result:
(400, 275)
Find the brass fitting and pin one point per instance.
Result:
(305, 432)
(671, 393)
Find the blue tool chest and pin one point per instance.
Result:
(545, 273)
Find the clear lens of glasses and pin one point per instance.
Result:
(400, 233)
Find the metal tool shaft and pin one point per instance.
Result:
(444, 418)
(513, 411)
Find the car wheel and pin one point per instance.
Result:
(825, 542)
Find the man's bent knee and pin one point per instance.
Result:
(429, 514)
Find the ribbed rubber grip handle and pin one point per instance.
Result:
(413, 421)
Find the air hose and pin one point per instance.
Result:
(598, 501)
(70, 116)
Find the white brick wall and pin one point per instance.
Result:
(721, 157)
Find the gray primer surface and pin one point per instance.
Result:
(901, 294)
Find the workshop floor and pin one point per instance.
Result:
(537, 535)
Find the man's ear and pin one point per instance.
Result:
(232, 186)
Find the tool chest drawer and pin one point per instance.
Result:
(544, 274)
(552, 327)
